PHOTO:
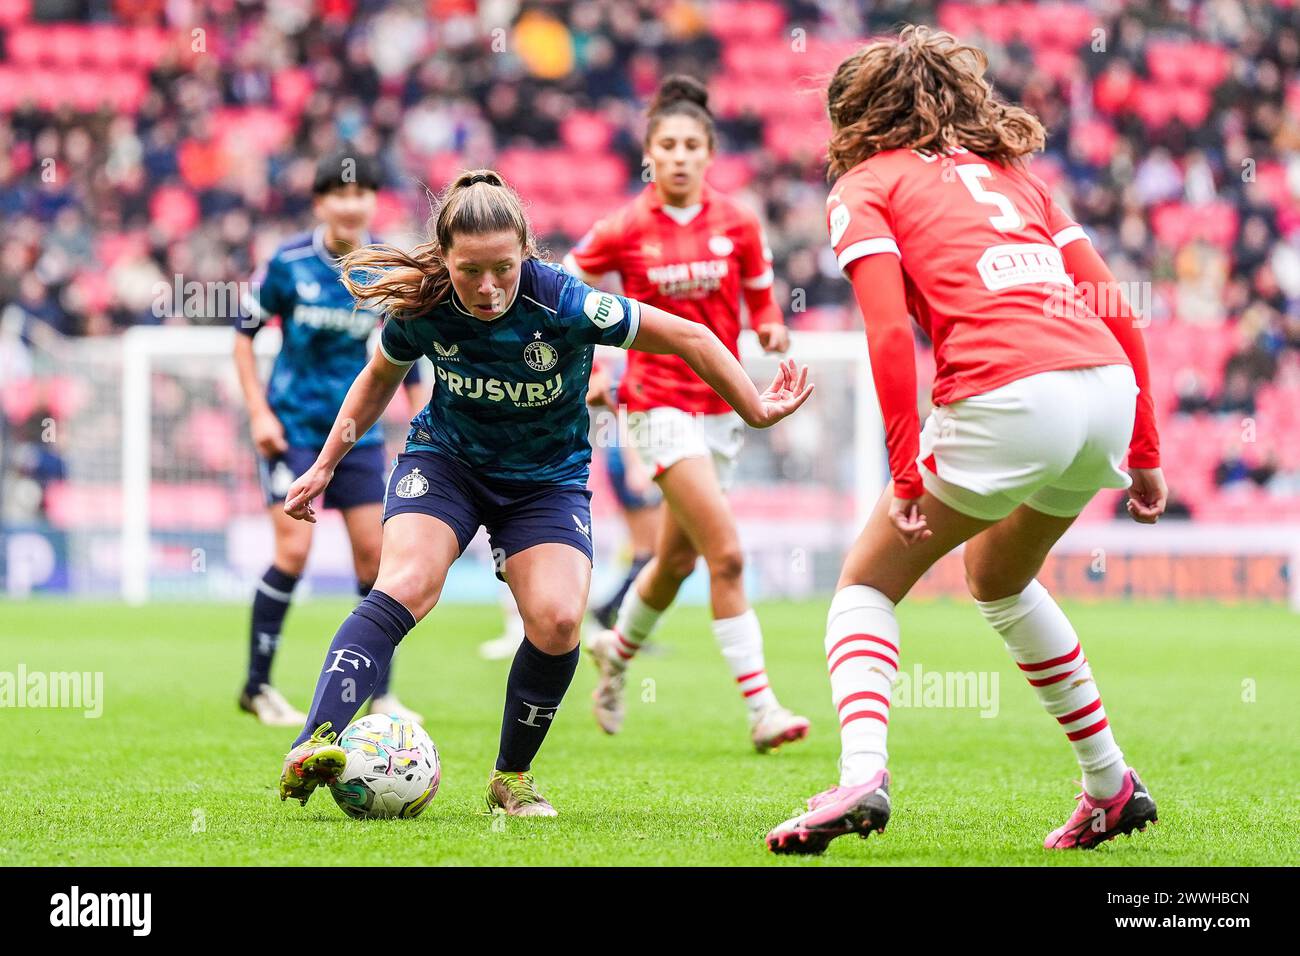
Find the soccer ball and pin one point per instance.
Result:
(392, 769)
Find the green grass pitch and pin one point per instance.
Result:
(1202, 699)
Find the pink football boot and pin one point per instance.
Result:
(1093, 822)
(834, 813)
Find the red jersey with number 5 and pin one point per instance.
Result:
(692, 263)
(979, 245)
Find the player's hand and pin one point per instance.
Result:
(309, 486)
(788, 391)
(774, 337)
(909, 520)
(268, 435)
(1147, 495)
(599, 391)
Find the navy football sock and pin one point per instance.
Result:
(534, 690)
(270, 604)
(607, 613)
(358, 657)
(381, 688)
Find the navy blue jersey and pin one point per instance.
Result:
(325, 335)
(510, 395)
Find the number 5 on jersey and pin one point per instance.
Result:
(1008, 218)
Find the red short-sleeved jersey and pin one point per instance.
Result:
(694, 268)
(980, 245)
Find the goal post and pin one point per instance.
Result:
(146, 350)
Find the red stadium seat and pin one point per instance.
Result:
(1060, 65)
(443, 168)
(83, 90)
(752, 19)
(1066, 25)
(109, 46)
(586, 132)
(291, 88)
(24, 45)
(1155, 104)
(1191, 105)
(1096, 140)
(14, 12)
(729, 173)
(174, 211)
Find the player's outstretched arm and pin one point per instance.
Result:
(878, 287)
(1147, 494)
(366, 400)
(663, 333)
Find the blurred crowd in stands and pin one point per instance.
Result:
(144, 140)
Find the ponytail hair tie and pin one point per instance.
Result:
(480, 178)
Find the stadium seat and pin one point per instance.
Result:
(14, 12)
(750, 19)
(586, 132)
(291, 88)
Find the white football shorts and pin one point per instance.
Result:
(664, 436)
(1049, 441)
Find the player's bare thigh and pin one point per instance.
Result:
(366, 532)
(699, 506)
(550, 584)
(292, 540)
(673, 562)
(417, 551)
(643, 527)
(1002, 560)
(881, 560)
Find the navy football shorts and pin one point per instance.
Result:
(358, 480)
(617, 472)
(517, 515)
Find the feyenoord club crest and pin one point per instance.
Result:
(540, 357)
(412, 485)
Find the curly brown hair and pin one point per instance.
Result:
(922, 90)
(406, 284)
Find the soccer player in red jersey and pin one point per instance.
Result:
(689, 250)
(1040, 391)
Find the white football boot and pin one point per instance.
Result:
(389, 704)
(269, 706)
(607, 698)
(773, 726)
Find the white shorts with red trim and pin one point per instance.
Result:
(664, 436)
(1049, 441)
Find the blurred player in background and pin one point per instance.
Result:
(1041, 390)
(692, 251)
(502, 443)
(324, 347)
(638, 496)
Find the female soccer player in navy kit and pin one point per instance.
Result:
(1040, 391)
(502, 444)
(324, 347)
(686, 248)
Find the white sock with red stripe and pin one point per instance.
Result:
(636, 620)
(862, 656)
(1044, 645)
(741, 641)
